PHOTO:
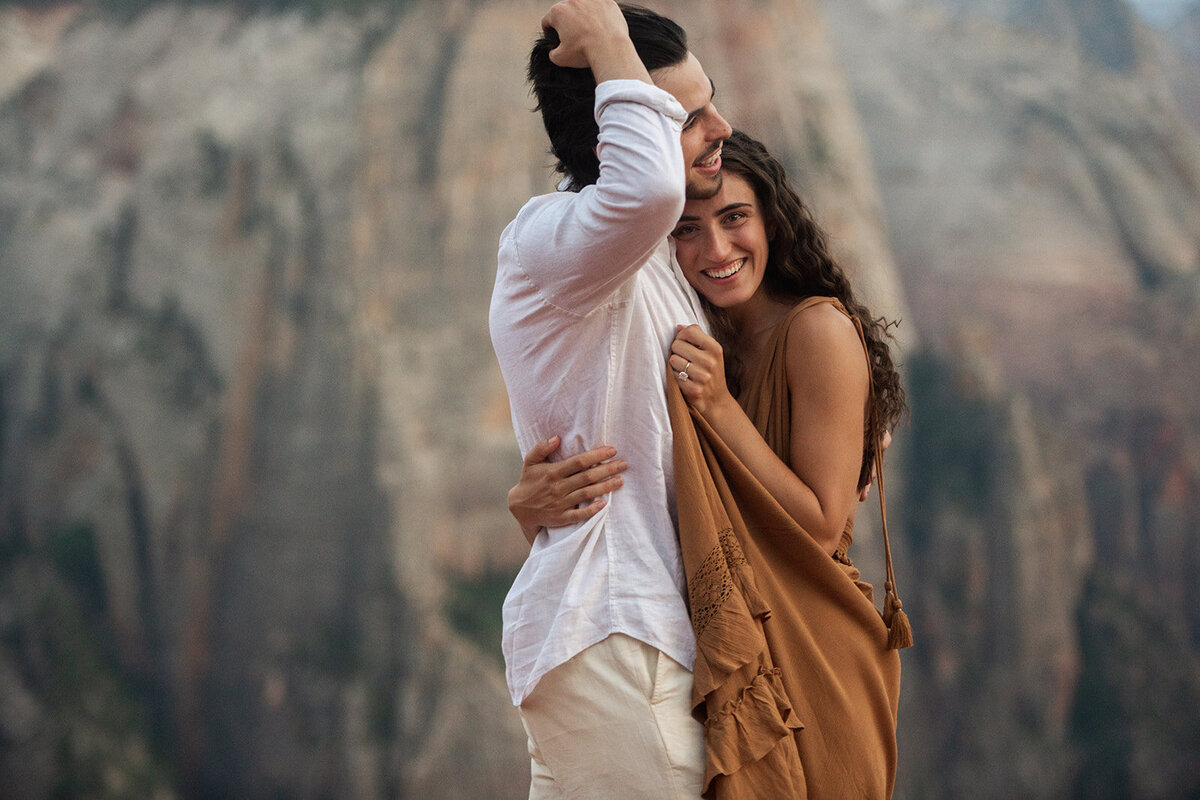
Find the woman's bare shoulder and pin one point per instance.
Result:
(821, 325)
(824, 351)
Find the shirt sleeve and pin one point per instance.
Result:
(576, 248)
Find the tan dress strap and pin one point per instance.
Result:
(899, 630)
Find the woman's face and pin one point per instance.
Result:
(721, 244)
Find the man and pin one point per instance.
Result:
(597, 639)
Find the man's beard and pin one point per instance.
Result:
(697, 191)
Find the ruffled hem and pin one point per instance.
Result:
(746, 729)
(728, 627)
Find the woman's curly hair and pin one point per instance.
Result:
(799, 265)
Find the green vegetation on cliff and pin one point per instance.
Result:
(83, 713)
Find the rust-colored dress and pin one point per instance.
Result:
(794, 675)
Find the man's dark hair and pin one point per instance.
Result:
(567, 97)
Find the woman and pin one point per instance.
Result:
(797, 675)
(755, 256)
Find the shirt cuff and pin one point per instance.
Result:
(635, 91)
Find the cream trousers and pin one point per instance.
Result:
(614, 722)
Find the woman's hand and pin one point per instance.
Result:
(550, 494)
(699, 366)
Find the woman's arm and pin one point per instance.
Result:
(828, 382)
(551, 494)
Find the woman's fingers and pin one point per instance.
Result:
(698, 371)
(594, 473)
(535, 460)
(693, 349)
(577, 515)
(693, 334)
(686, 350)
(575, 480)
(583, 461)
(594, 481)
(542, 450)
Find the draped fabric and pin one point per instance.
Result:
(793, 676)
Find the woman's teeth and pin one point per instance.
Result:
(725, 272)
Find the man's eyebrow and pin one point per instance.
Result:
(712, 94)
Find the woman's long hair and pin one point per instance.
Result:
(798, 266)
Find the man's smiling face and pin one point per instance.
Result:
(704, 130)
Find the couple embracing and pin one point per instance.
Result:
(689, 622)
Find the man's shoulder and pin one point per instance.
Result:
(549, 203)
(535, 222)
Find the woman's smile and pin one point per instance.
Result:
(721, 244)
(728, 271)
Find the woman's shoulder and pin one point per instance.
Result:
(822, 340)
(820, 320)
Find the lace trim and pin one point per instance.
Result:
(712, 583)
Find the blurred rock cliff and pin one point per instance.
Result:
(254, 447)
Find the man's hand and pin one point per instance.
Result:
(552, 494)
(593, 35)
(866, 490)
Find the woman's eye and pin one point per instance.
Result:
(735, 217)
(683, 231)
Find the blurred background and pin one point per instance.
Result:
(254, 446)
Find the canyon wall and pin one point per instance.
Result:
(254, 445)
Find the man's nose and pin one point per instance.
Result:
(718, 128)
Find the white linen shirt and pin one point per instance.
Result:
(584, 308)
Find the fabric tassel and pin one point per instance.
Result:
(899, 631)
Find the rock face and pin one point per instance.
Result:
(254, 440)
(1181, 59)
(254, 446)
(1043, 197)
(220, 389)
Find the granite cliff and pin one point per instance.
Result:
(254, 445)
(1042, 190)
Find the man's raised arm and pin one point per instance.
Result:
(611, 228)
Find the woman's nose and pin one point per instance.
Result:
(717, 246)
